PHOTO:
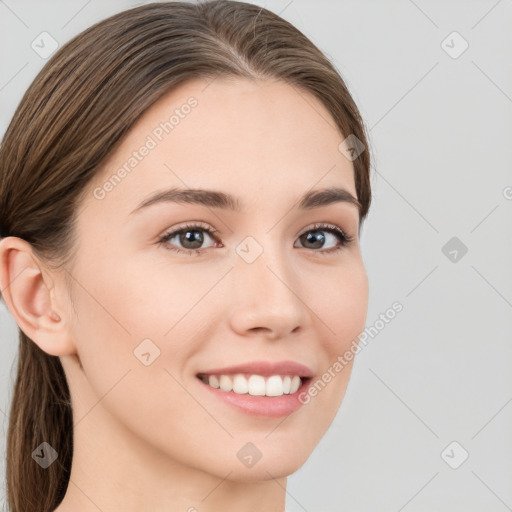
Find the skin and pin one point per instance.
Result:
(151, 437)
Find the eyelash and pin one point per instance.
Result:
(343, 238)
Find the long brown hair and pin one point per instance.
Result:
(74, 115)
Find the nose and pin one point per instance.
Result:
(267, 298)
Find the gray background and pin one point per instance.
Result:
(440, 130)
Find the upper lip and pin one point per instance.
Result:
(264, 368)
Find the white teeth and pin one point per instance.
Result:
(295, 384)
(213, 381)
(226, 384)
(255, 385)
(286, 384)
(274, 386)
(240, 385)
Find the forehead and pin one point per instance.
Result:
(259, 140)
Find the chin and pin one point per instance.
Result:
(266, 458)
(266, 470)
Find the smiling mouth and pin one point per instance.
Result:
(255, 385)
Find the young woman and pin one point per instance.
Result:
(181, 194)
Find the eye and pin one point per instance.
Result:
(316, 238)
(191, 237)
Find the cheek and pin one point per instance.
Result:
(165, 298)
(340, 302)
(341, 307)
(113, 316)
(136, 312)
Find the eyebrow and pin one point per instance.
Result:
(215, 199)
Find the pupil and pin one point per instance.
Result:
(315, 237)
(193, 237)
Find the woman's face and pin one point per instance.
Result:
(248, 281)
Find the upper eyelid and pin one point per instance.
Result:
(207, 227)
(191, 225)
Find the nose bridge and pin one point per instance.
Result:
(266, 291)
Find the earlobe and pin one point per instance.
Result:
(27, 292)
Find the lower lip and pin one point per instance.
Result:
(268, 406)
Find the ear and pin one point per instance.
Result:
(29, 293)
